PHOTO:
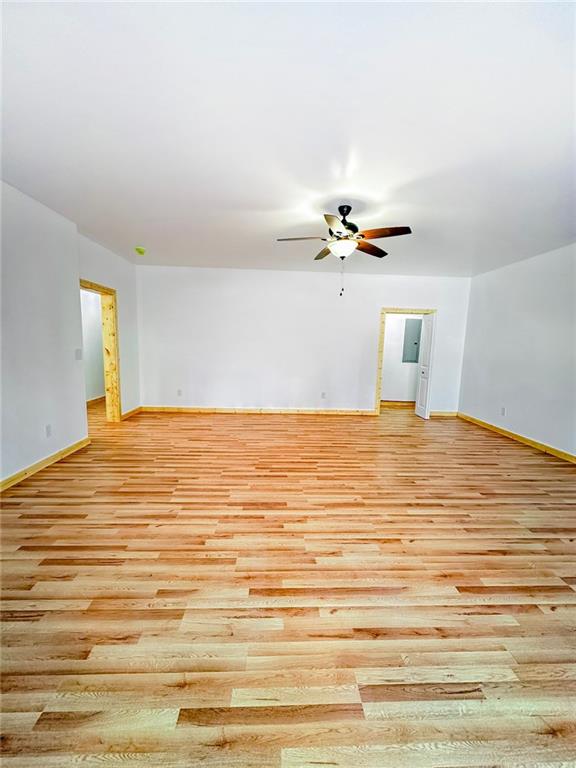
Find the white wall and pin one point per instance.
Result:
(42, 381)
(270, 339)
(91, 306)
(399, 380)
(521, 349)
(99, 265)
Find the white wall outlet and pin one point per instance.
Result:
(323, 395)
(48, 430)
(78, 354)
(503, 411)
(179, 392)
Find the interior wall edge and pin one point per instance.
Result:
(17, 477)
(265, 411)
(133, 412)
(43, 386)
(288, 411)
(519, 369)
(520, 438)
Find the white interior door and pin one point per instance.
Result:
(424, 367)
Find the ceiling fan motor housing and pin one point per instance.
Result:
(344, 210)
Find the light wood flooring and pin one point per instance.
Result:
(268, 591)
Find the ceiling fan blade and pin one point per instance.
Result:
(374, 234)
(373, 250)
(323, 253)
(335, 224)
(285, 239)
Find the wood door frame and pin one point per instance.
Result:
(109, 347)
(383, 312)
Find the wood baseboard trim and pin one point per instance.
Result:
(42, 464)
(263, 411)
(398, 403)
(520, 438)
(133, 412)
(99, 399)
(327, 412)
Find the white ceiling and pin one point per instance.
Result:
(205, 131)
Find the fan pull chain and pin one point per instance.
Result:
(342, 259)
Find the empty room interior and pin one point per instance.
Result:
(288, 385)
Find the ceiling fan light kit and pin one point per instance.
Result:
(343, 248)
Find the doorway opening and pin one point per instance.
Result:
(101, 369)
(405, 359)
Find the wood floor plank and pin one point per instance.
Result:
(268, 591)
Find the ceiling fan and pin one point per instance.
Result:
(344, 237)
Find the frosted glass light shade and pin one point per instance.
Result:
(343, 248)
